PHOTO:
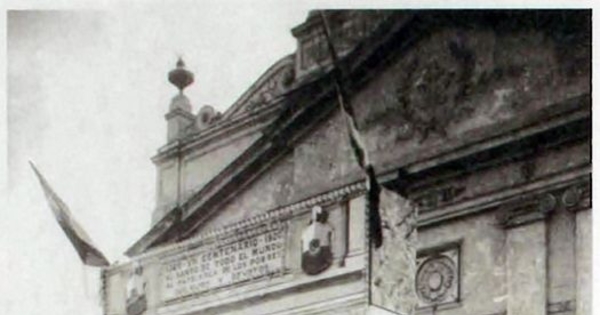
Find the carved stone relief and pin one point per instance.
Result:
(537, 207)
(434, 198)
(454, 81)
(438, 277)
(317, 242)
(274, 86)
(347, 28)
(573, 196)
(431, 94)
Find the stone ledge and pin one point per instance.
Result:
(283, 286)
(506, 197)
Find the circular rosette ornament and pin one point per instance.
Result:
(435, 279)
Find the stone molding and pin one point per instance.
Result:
(281, 213)
(540, 205)
(515, 201)
(178, 112)
(221, 130)
(278, 79)
(284, 286)
(561, 307)
(533, 209)
(431, 199)
(270, 144)
(348, 29)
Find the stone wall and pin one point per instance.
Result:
(504, 238)
(451, 87)
(173, 276)
(471, 85)
(198, 167)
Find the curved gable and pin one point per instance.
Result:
(274, 82)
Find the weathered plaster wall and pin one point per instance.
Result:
(270, 190)
(288, 290)
(526, 259)
(197, 168)
(200, 167)
(561, 259)
(454, 85)
(115, 291)
(482, 262)
(166, 189)
(470, 83)
(451, 88)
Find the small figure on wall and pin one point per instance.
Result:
(317, 239)
(136, 291)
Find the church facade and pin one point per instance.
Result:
(481, 119)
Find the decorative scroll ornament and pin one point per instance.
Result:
(317, 239)
(272, 87)
(136, 291)
(571, 196)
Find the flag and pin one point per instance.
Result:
(84, 246)
(391, 217)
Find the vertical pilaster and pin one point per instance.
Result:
(527, 255)
(583, 252)
(526, 269)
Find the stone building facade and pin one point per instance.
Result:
(481, 118)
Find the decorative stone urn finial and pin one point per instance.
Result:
(180, 76)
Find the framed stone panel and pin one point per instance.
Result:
(437, 281)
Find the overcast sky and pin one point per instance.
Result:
(87, 94)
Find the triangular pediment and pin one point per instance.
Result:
(472, 98)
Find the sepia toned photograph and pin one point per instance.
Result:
(260, 159)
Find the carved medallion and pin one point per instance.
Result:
(316, 243)
(431, 94)
(571, 197)
(437, 279)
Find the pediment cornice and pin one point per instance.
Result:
(312, 102)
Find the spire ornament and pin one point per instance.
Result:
(180, 117)
(180, 76)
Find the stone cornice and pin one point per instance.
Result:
(179, 112)
(312, 103)
(307, 106)
(574, 109)
(302, 108)
(245, 98)
(284, 286)
(524, 203)
(276, 214)
(220, 131)
(573, 195)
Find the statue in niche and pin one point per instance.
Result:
(317, 240)
(136, 291)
